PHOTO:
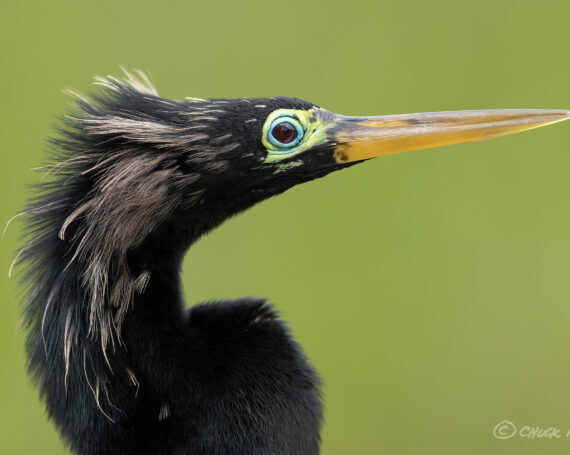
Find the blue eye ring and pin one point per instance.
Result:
(292, 121)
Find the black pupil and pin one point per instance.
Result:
(284, 132)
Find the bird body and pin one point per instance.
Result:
(122, 365)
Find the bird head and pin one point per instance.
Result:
(227, 154)
(141, 159)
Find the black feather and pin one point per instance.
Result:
(122, 366)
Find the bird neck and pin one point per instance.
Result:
(80, 372)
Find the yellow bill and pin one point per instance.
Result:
(361, 138)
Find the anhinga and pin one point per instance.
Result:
(120, 362)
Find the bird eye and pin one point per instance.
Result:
(285, 132)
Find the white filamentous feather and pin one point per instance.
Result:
(134, 381)
(94, 390)
(192, 99)
(138, 81)
(164, 412)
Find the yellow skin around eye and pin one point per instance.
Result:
(314, 133)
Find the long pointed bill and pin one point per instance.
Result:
(360, 138)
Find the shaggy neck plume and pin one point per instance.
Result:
(110, 232)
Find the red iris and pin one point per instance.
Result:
(284, 132)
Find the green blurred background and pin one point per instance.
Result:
(430, 289)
